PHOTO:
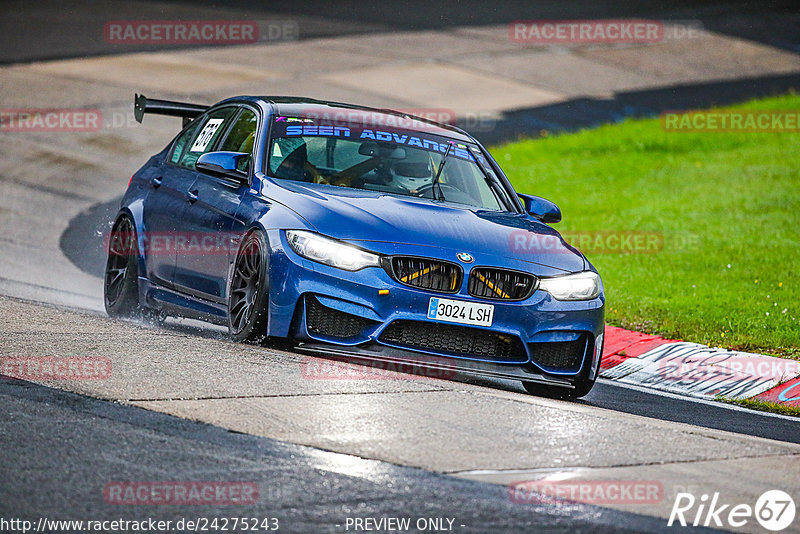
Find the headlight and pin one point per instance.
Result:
(578, 286)
(330, 251)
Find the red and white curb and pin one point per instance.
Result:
(697, 370)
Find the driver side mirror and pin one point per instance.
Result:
(541, 208)
(226, 164)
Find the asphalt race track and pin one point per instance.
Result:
(182, 403)
(308, 490)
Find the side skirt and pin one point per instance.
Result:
(181, 305)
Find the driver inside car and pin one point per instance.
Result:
(413, 172)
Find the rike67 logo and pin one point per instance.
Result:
(774, 510)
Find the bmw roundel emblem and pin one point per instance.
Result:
(465, 257)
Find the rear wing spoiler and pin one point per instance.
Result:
(142, 105)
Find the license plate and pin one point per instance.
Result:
(457, 311)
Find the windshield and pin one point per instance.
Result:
(400, 162)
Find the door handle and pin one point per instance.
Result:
(191, 196)
(157, 182)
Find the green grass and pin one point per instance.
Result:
(727, 205)
(763, 406)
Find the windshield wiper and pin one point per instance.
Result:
(492, 181)
(439, 173)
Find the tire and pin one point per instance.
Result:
(248, 295)
(582, 387)
(121, 281)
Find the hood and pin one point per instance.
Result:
(364, 216)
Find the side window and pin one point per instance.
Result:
(180, 144)
(242, 135)
(212, 127)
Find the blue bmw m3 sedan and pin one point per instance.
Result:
(354, 232)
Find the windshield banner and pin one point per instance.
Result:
(306, 127)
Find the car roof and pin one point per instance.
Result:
(309, 107)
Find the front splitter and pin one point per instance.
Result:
(410, 362)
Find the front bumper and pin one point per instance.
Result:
(324, 306)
